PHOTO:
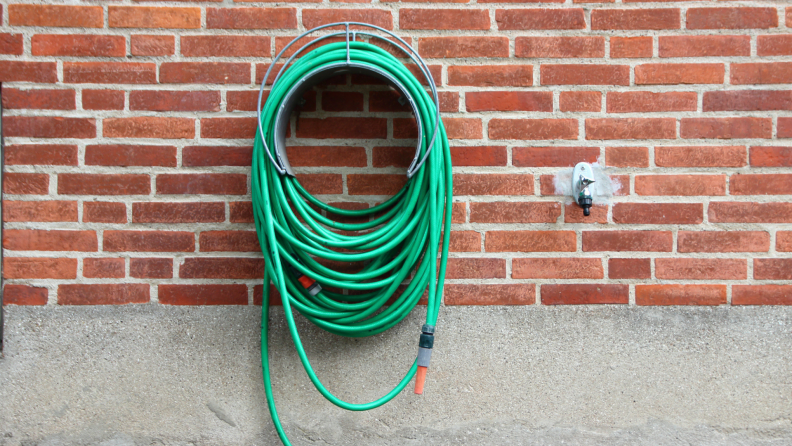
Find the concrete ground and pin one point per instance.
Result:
(604, 375)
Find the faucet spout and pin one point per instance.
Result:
(583, 177)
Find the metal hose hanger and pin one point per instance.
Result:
(280, 160)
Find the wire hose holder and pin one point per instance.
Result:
(350, 66)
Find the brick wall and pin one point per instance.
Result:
(128, 129)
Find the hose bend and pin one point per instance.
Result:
(397, 241)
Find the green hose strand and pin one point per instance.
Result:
(398, 240)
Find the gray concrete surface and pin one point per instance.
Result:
(156, 375)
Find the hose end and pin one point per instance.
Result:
(420, 379)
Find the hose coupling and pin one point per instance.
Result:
(425, 345)
(309, 284)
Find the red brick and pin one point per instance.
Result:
(473, 268)
(246, 100)
(475, 156)
(375, 184)
(700, 156)
(759, 294)
(761, 73)
(515, 212)
(126, 155)
(631, 128)
(533, 129)
(491, 75)
(585, 294)
(92, 45)
(149, 127)
(627, 156)
(701, 269)
(680, 185)
(644, 18)
(103, 294)
(327, 156)
(704, 46)
(631, 47)
(493, 184)
(226, 46)
(25, 295)
(784, 127)
(41, 154)
(197, 156)
(26, 183)
(221, 268)
(789, 17)
(49, 127)
(153, 17)
(773, 269)
(747, 100)
(104, 212)
(574, 214)
(343, 128)
(203, 294)
(328, 183)
(98, 268)
(341, 101)
(509, 19)
(557, 268)
(102, 100)
(499, 294)
(229, 241)
(761, 156)
(731, 18)
(143, 45)
(680, 294)
(315, 17)
(726, 128)
(541, 101)
(560, 47)
(760, 184)
(458, 213)
(170, 212)
(388, 101)
(204, 183)
(56, 16)
(16, 71)
(44, 211)
(103, 184)
(477, 19)
(39, 268)
(679, 73)
(464, 241)
(530, 241)
(728, 212)
(228, 128)
(784, 241)
(11, 44)
(151, 268)
(39, 99)
(109, 73)
(723, 241)
(580, 101)
(468, 46)
(456, 128)
(658, 241)
(204, 73)
(572, 74)
(161, 100)
(774, 45)
(553, 156)
(658, 213)
(148, 241)
(55, 240)
(396, 156)
(649, 102)
(629, 268)
(282, 41)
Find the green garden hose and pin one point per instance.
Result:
(396, 243)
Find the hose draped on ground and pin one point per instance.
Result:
(396, 242)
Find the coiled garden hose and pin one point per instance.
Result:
(397, 241)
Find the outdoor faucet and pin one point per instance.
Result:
(582, 178)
